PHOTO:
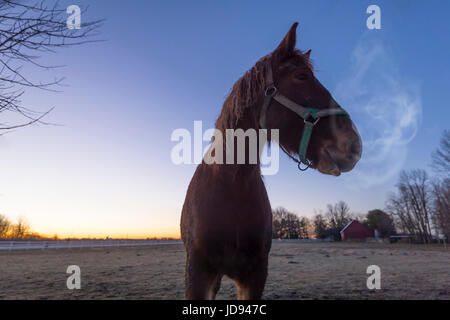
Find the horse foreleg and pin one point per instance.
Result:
(251, 286)
(200, 282)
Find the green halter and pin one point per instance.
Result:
(272, 92)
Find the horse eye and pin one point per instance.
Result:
(302, 77)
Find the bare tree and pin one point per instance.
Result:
(304, 227)
(441, 157)
(288, 225)
(5, 225)
(441, 186)
(20, 229)
(441, 207)
(320, 226)
(411, 205)
(284, 224)
(338, 217)
(27, 30)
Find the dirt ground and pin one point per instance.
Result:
(296, 271)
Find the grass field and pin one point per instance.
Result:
(296, 271)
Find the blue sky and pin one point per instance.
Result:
(107, 170)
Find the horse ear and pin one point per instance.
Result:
(286, 48)
(307, 54)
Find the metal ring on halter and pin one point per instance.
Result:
(303, 169)
(274, 91)
(296, 160)
(313, 123)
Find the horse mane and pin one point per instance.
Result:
(248, 90)
(244, 94)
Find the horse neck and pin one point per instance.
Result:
(248, 121)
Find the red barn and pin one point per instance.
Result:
(355, 230)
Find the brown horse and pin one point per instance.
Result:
(226, 221)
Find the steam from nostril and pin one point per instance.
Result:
(386, 107)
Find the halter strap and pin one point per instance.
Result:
(272, 92)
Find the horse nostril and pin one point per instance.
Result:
(355, 146)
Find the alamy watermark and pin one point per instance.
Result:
(374, 20)
(74, 20)
(74, 280)
(250, 146)
(374, 280)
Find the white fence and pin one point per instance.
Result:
(66, 244)
(303, 240)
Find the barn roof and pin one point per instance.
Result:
(347, 225)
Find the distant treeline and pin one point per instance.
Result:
(287, 225)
